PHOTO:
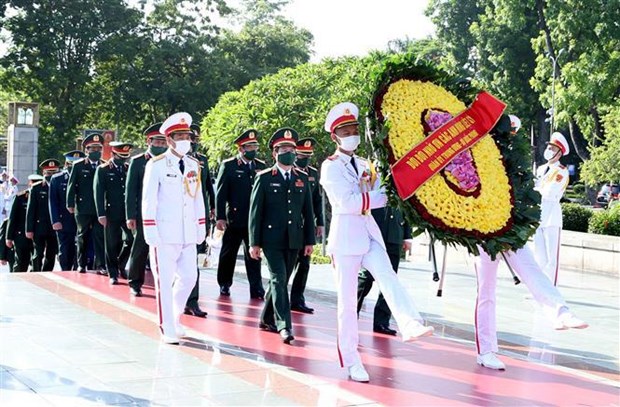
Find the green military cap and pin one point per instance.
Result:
(283, 136)
(153, 131)
(74, 155)
(306, 146)
(93, 139)
(247, 137)
(50, 164)
(121, 149)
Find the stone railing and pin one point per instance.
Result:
(584, 252)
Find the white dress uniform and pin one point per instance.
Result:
(174, 223)
(525, 266)
(354, 242)
(551, 182)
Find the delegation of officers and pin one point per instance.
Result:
(126, 215)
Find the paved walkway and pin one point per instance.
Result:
(71, 339)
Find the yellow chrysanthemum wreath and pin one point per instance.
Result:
(403, 105)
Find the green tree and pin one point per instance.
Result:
(604, 162)
(297, 97)
(51, 56)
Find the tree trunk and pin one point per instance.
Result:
(579, 141)
(599, 133)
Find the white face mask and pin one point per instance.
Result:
(183, 146)
(548, 154)
(349, 143)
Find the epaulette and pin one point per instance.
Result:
(36, 184)
(81, 160)
(562, 166)
(194, 159)
(229, 159)
(297, 169)
(133, 157)
(105, 164)
(265, 171)
(332, 157)
(24, 192)
(159, 157)
(259, 160)
(312, 168)
(360, 158)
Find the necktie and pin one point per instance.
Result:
(251, 165)
(182, 166)
(353, 164)
(287, 177)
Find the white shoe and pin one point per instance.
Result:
(357, 373)
(180, 331)
(170, 340)
(568, 320)
(490, 361)
(415, 331)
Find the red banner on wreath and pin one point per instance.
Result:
(440, 147)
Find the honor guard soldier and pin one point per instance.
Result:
(233, 189)
(10, 191)
(138, 256)
(396, 236)
(62, 221)
(551, 182)
(355, 240)
(174, 222)
(192, 307)
(305, 150)
(542, 290)
(81, 202)
(281, 224)
(109, 189)
(16, 228)
(38, 222)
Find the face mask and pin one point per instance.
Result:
(119, 160)
(302, 162)
(548, 154)
(349, 143)
(94, 155)
(157, 150)
(286, 158)
(183, 146)
(249, 155)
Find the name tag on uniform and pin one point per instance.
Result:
(275, 184)
(311, 179)
(299, 183)
(171, 175)
(241, 171)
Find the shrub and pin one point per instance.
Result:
(606, 222)
(575, 217)
(317, 257)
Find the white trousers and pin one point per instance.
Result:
(346, 269)
(524, 265)
(547, 250)
(174, 273)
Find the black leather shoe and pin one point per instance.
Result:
(384, 329)
(286, 336)
(225, 291)
(136, 292)
(113, 281)
(268, 327)
(195, 311)
(302, 308)
(257, 295)
(82, 270)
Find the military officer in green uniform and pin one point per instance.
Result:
(233, 189)
(38, 221)
(7, 254)
(192, 307)
(16, 228)
(396, 235)
(305, 150)
(109, 189)
(138, 256)
(81, 202)
(281, 224)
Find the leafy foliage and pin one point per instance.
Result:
(575, 217)
(606, 222)
(604, 162)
